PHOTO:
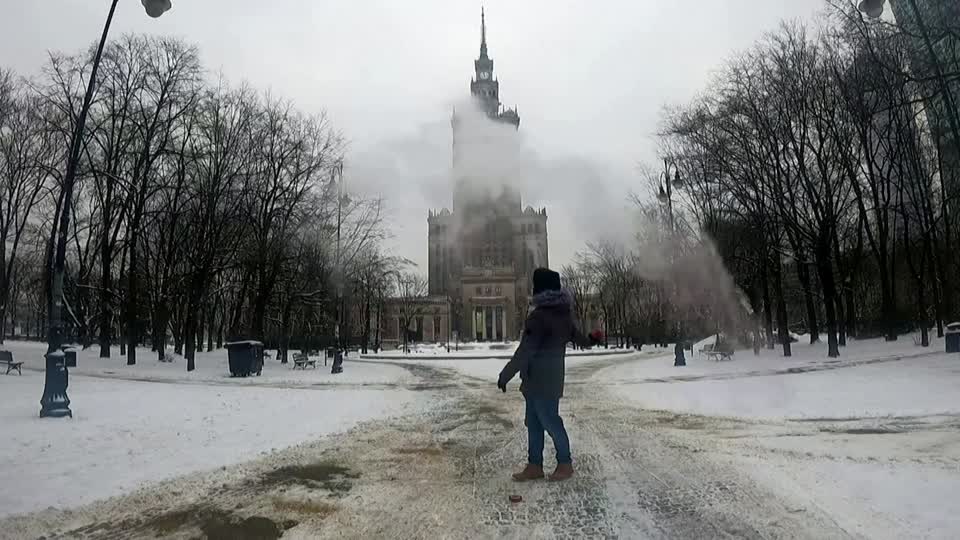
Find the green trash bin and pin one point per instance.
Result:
(952, 337)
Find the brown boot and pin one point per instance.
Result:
(564, 471)
(530, 472)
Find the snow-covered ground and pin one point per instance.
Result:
(871, 378)
(125, 434)
(474, 350)
(901, 485)
(211, 367)
(488, 368)
(871, 438)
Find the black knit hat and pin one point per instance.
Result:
(545, 279)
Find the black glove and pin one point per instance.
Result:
(502, 385)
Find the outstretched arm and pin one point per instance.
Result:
(529, 343)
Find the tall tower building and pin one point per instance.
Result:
(483, 252)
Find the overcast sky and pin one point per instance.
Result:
(589, 79)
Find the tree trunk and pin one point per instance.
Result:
(210, 312)
(259, 317)
(285, 330)
(190, 335)
(851, 314)
(178, 335)
(4, 298)
(782, 326)
(767, 303)
(366, 324)
(223, 317)
(376, 339)
(160, 330)
(922, 306)
(106, 310)
(825, 273)
(841, 323)
(121, 334)
(235, 321)
(190, 350)
(887, 308)
(131, 311)
(813, 325)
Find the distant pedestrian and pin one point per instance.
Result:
(539, 359)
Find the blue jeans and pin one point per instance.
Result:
(544, 415)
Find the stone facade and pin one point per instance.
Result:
(427, 320)
(483, 252)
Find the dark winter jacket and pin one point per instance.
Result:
(540, 357)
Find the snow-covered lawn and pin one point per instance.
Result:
(210, 367)
(871, 379)
(878, 500)
(896, 485)
(871, 438)
(125, 433)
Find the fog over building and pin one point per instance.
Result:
(483, 251)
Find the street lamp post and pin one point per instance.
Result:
(54, 402)
(665, 195)
(337, 175)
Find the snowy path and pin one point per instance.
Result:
(445, 473)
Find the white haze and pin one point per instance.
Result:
(417, 174)
(694, 273)
(585, 199)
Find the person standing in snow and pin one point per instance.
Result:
(539, 359)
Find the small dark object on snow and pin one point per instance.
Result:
(679, 359)
(337, 363)
(516, 498)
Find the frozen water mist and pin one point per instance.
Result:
(490, 165)
(690, 271)
(585, 198)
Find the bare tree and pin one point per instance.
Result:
(26, 151)
(411, 291)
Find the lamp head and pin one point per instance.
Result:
(156, 8)
(872, 8)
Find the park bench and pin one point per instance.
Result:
(717, 351)
(6, 358)
(301, 361)
(719, 355)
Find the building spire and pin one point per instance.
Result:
(483, 33)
